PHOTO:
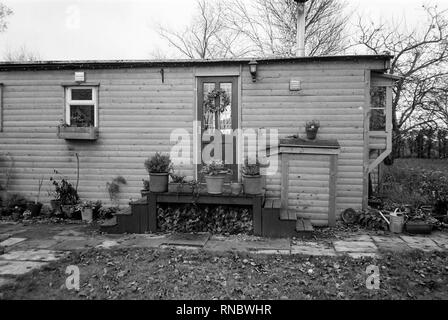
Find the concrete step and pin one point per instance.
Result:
(109, 226)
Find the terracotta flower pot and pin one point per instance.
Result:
(252, 184)
(215, 184)
(158, 182)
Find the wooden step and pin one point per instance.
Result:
(124, 212)
(304, 225)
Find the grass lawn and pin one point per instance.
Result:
(174, 274)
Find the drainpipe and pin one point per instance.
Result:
(300, 28)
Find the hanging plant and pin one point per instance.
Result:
(210, 103)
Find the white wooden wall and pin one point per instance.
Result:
(137, 113)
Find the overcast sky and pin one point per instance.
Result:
(124, 29)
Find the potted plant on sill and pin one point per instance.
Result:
(251, 177)
(215, 173)
(159, 167)
(311, 129)
(36, 207)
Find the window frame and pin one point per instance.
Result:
(69, 102)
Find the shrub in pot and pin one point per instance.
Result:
(251, 178)
(66, 196)
(311, 129)
(158, 167)
(215, 173)
(86, 209)
(144, 192)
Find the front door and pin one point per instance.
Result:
(218, 110)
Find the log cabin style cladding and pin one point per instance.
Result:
(139, 103)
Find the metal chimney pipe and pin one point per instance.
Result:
(300, 28)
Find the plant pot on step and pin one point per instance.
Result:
(252, 184)
(35, 208)
(236, 188)
(158, 182)
(87, 215)
(215, 183)
(144, 193)
(311, 134)
(68, 210)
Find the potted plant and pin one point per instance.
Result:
(236, 188)
(179, 184)
(113, 188)
(144, 192)
(251, 177)
(158, 167)
(215, 173)
(311, 128)
(66, 196)
(86, 208)
(418, 222)
(35, 207)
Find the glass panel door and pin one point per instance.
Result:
(218, 110)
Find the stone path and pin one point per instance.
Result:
(30, 248)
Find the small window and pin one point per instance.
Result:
(81, 106)
(378, 109)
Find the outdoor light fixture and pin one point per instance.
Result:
(253, 69)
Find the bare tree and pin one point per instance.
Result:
(4, 13)
(420, 58)
(206, 37)
(269, 27)
(235, 28)
(21, 54)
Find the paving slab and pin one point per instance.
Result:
(421, 243)
(75, 244)
(217, 243)
(179, 247)
(187, 239)
(360, 255)
(362, 237)
(390, 243)
(19, 267)
(11, 241)
(272, 252)
(107, 244)
(144, 241)
(71, 233)
(355, 246)
(313, 249)
(33, 255)
(38, 244)
(441, 241)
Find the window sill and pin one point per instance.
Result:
(78, 133)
